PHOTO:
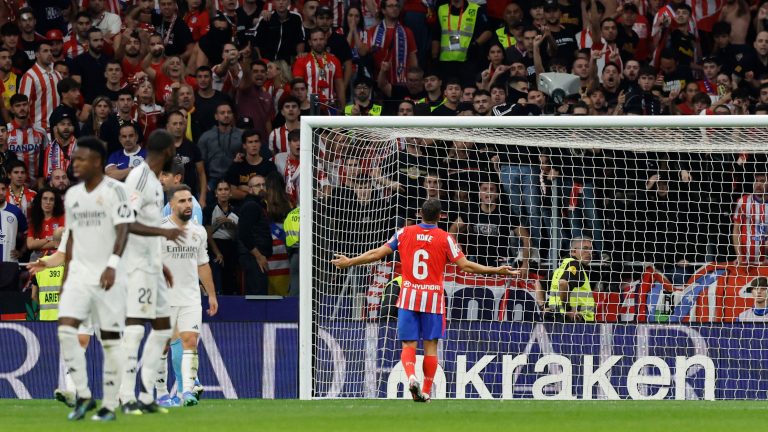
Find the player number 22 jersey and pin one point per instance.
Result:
(424, 252)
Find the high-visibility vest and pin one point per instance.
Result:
(580, 298)
(374, 111)
(462, 26)
(504, 38)
(432, 105)
(49, 282)
(291, 227)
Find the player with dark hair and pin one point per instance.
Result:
(98, 217)
(146, 297)
(424, 249)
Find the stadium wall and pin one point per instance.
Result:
(481, 360)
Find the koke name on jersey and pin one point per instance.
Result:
(424, 237)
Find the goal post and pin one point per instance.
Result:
(661, 329)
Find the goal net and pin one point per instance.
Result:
(642, 242)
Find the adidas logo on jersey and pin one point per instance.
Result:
(195, 327)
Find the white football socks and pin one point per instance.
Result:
(74, 358)
(161, 385)
(113, 372)
(189, 369)
(150, 360)
(131, 341)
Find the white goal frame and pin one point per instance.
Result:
(309, 123)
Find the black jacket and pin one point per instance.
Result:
(254, 227)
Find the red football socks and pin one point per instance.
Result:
(408, 359)
(430, 368)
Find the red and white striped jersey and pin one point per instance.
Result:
(288, 167)
(28, 143)
(424, 252)
(72, 47)
(278, 140)
(40, 87)
(750, 214)
(22, 200)
(584, 39)
(319, 72)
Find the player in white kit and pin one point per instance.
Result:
(147, 278)
(98, 216)
(187, 259)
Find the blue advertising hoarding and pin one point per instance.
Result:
(478, 360)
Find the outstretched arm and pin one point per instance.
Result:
(372, 255)
(468, 266)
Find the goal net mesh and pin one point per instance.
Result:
(675, 303)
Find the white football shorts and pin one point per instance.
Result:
(146, 297)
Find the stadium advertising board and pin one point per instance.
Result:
(481, 359)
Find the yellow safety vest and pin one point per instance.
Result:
(430, 103)
(10, 88)
(580, 298)
(461, 27)
(291, 228)
(504, 38)
(374, 111)
(49, 282)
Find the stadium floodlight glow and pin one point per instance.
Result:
(661, 189)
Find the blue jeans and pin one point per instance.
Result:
(521, 184)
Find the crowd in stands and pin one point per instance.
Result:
(231, 79)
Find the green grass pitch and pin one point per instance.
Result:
(395, 416)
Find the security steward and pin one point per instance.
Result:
(570, 294)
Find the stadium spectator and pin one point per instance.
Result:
(290, 113)
(121, 162)
(287, 164)
(280, 36)
(9, 79)
(220, 220)
(29, 37)
(758, 288)
(253, 101)
(322, 71)
(59, 181)
(69, 95)
(99, 115)
(25, 139)
(392, 46)
(39, 85)
(58, 154)
(90, 67)
(361, 100)
(253, 163)
(197, 19)
(748, 235)
(254, 238)
(10, 34)
(406, 108)
(46, 217)
(110, 129)
(278, 205)
(292, 228)
(206, 99)
(570, 293)
(18, 192)
(493, 235)
(461, 29)
(337, 44)
(278, 80)
(76, 42)
(14, 225)
(189, 155)
(108, 22)
(177, 37)
(451, 98)
(148, 112)
(219, 145)
(113, 79)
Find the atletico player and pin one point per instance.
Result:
(424, 249)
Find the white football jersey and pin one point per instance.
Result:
(146, 199)
(182, 258)
(91, 220)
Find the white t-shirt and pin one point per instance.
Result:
(91, 220)
(749, 315)
(146, 199)
(109, 23)
(182, 258)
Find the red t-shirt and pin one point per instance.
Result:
(49, 226)
(199, 23)
(163, 89)
(424, 252)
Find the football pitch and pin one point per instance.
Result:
(388, 415)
